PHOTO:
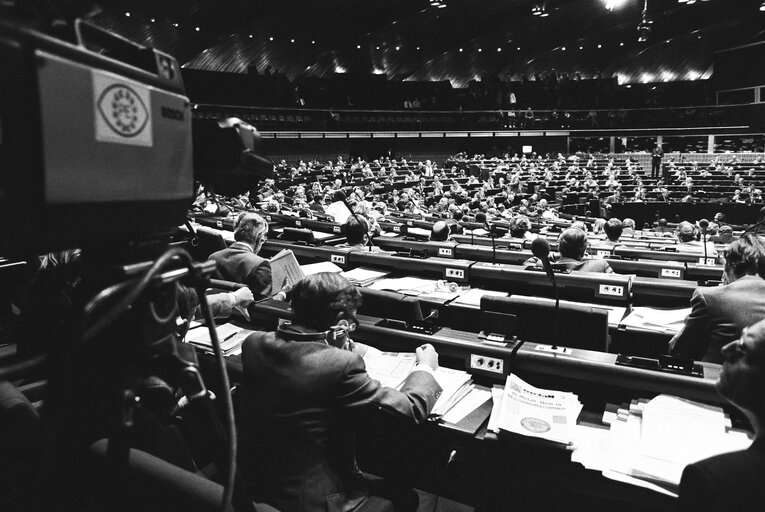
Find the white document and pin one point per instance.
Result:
(364, 275)
(671, 320)
(542, 413)
(474, 399)
(497, 396)
(285, 270)
(472, 297)
(322, 266)
(453, 383)
(390, 368)
(407, 285)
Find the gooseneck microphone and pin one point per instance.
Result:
(540, 247)
(704, 224)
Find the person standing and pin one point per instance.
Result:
(656, 157)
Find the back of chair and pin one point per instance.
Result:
(209, 242)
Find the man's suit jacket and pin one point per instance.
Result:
(583, 265)
(300, 400)
(718, 315)
(731, 482)
(238, 263)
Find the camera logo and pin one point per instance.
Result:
(123, 110)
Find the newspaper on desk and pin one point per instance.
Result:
(285, 270)
(534, 412)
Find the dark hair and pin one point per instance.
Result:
(613, 229)
(519, 225)
(572, 243)
(318, 298)
(355, 228)
(746, 256)
(338, 196)
(248, 226)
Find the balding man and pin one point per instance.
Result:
(240, 262)
(732, 482)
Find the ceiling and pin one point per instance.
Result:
(413, 40)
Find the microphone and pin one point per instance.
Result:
(541, 249)
(704, 224)
(490, 229)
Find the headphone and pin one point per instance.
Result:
(336, 336)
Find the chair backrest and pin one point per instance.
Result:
(209, 242)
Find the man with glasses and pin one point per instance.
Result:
(734, 481)
(305, 386)
(240, 262)
(718, 314)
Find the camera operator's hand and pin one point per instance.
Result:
(426, 354)
(242, 297)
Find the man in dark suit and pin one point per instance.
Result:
(305, 387)
(656, 156)
(719, 313)
(240, 262)
(732, 482)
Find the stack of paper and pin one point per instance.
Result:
(534, 412)
(363, 276)
(649, 443)
(230, 338)
(322, 266)
(392, 369)
(472, 297)
(670, 320)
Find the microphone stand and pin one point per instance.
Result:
(551, 275)
(490, 228)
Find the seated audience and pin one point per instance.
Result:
(724, 235)
(240, 262)
(338, 208)
(520, 226)
(732, 482)
(304, 386)
(629, 227)
(719, 313)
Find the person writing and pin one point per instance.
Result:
(303, 386)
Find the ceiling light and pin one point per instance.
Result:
(271, 38)
(377, 47)
(499, 49)
(762, 6)
(175, 25)
(127, 14)
(153, 20)
(358, 47)
(581, 47)
(614, 4)
(250, 36)
(460, 50)
(621, 44)
(196, 28)
(479, 50)
(398, 48)
(292, 40)
(600, 45)
(313, 42)
(418, 48)
(563, 48)
(519, 48)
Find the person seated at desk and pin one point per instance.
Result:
(356, 231)
(240, 262)
(440, 232)
(663, 228)
(572, 244)
(303, 387)
(687, 237)
(733, 481)
(719, 313)
(613, 229)
(338, 208)
(520, 227)
(724, 235)
(628, 226)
